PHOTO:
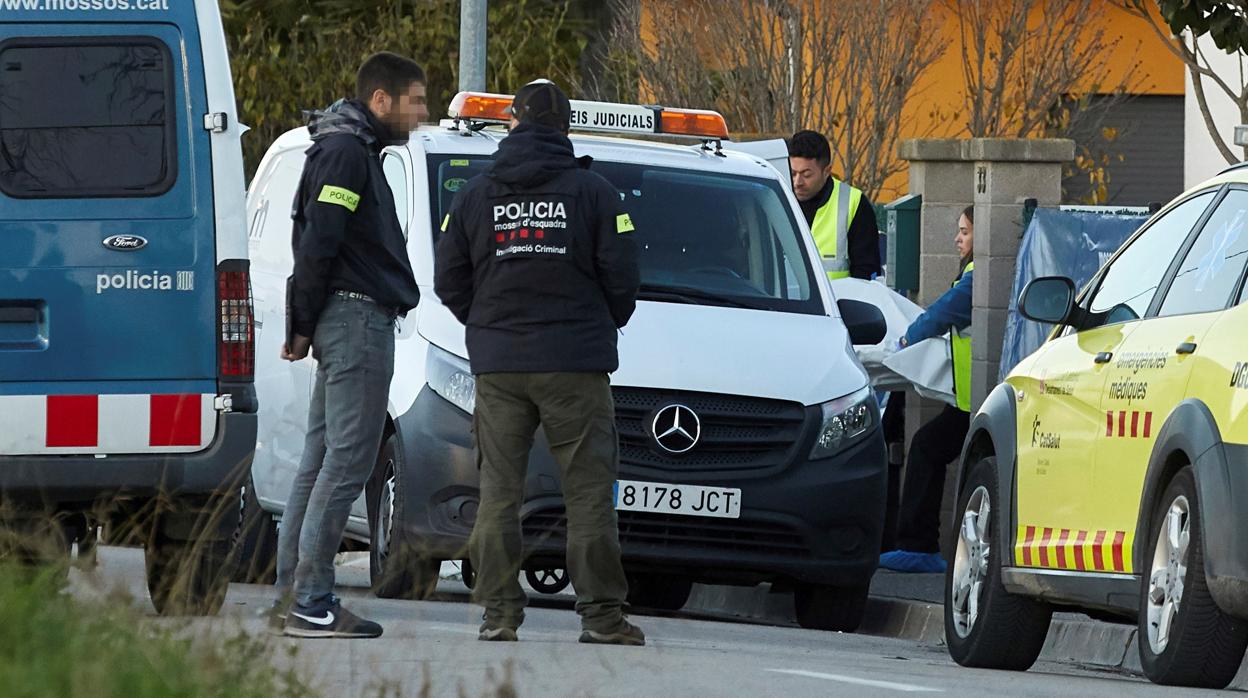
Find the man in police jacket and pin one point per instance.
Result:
(352, 278)
(536, 259)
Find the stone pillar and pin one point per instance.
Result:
(996, 175)
(940, 172)
(1008, 171)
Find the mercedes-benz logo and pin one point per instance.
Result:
(676, 428)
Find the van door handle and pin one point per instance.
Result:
(1104, 357)
(1186, 348)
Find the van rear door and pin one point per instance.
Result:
(107, 252)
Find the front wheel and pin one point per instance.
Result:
(189, 574)
(660, 592)
(1185, 639)
(255, 541)
(397, 571)
(822, 607)
(985, 625)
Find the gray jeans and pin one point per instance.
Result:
(354, 348)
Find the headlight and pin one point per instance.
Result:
(451, 377)
(845, 421)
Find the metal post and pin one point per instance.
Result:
(472, 17)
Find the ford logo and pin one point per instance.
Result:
(125, 242)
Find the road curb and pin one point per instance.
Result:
(1071, 638)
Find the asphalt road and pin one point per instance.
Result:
(435, 641)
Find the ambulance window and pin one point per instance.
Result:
(1129, 284)
(396, 177)
(1212, 267)
(86, 117)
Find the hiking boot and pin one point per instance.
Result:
(625, 634)
(496, 633)
(333, 621)
(907, 561)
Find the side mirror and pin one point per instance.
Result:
(1048, 299)
(864, 321)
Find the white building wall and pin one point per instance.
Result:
(1201, 157)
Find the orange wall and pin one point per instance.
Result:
(940, 90)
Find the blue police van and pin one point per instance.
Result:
(127, 396)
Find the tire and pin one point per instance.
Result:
(659, 592)
(397, 570)
(1199, 645)
(36, 539)
(1006, 631)
(187, 577)
(255, 542)
(823, 607)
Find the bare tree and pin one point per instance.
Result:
(773, 67)
(1187, 47)
(1024, 59)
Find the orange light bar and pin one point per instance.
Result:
(692, 122)
(480, 106)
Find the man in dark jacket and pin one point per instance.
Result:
(352, 279)
(536, 259)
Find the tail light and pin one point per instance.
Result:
(236, 335)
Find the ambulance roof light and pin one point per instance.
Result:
(606, 117)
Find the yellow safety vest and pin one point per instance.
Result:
(831, 228)
(960, 348)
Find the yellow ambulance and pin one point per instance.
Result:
(1109, 472)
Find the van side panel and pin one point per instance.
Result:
(90, 325)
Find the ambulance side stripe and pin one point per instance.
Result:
(1061, 548)
(1119, 536)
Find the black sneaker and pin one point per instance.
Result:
(496, 633)
(335, 621)
(625, 634)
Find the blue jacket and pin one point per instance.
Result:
(952, 309)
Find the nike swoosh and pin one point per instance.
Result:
(327, 620)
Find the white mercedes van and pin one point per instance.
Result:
(750, 446)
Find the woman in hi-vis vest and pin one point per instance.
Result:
(939, 441)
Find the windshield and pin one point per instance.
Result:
(706, 239)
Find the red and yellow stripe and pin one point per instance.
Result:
(1073, 549)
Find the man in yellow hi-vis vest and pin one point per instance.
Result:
(840, 216)
(939, 441)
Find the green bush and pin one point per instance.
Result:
(52, 645)
(292, 55)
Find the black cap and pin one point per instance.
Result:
(542, 102)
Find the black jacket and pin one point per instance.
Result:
(346, 234)
(863, 236)
(537, 260)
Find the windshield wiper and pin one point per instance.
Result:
(693, 296)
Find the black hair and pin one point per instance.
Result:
(969, 212)
(389, 72)
(810, 144)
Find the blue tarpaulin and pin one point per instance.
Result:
(1074, 244)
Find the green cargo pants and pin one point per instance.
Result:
(578, 416)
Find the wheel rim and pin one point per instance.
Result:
(385, 515)
(548, 581)
(970, 563)
(1169, 570)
